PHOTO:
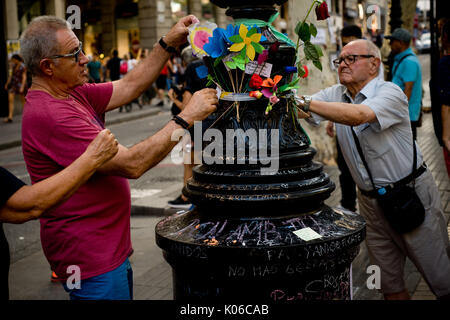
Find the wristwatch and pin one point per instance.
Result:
(306, 103)
(166, 47)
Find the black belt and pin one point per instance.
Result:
(405, 180)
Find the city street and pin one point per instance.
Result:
(30, 273)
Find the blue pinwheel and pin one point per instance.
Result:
(217, 45)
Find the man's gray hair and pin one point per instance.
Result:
(38, 41)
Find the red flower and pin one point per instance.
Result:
(322, 11)
(255, 81)
(306, 71)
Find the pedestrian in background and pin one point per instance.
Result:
(441, 92)
(95, 69)
(161, 85)
(407, 74)
(16, 84)
(373, 128)
(63, 114)
(20, 203)
(113, 66)
(180, 96)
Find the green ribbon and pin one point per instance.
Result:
(262, 23)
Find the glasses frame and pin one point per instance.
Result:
(337, 62)
(69, 55)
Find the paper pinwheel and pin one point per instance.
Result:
(199, 35)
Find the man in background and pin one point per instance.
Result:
(407, 74)
(95, 69)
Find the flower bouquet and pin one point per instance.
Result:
(241, 61)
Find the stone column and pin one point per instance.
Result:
(11, 20)
(316, 80)
(56, 8)
(220, 17)
(109, 39)
(155, 21)
(195, 8)
(408, 13)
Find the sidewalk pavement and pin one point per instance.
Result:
(11, 134)
(30, 275)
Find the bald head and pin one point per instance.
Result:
(361, 62)
(371, 48)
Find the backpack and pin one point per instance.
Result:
(123, 67)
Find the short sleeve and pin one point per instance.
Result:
(97, 95)
(327, 95)
(71, 135)
(390, 106)
(408, 70)
(9, 184)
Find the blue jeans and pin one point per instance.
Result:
(113, 285)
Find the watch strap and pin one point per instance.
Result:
(166, 47)
(181, 122)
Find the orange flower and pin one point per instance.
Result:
(269, 83)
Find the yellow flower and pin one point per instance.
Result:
(247, 41)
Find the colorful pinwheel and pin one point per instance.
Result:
(247, 40)
(199, 35)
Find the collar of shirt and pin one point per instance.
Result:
(400, 55)
(366, 92)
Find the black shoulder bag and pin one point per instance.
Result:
(399, 202)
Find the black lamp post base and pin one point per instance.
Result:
(262, 259)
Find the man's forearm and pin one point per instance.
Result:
(134, 162)
(139, 79)
(148, 70)
(345, 113)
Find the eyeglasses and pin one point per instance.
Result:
(69, 55)
(350, 59)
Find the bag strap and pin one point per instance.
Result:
(400, 61)
(358, 146)
(361, 155)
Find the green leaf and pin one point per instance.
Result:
(300, 70)
(293, 83)
(313, 30)
(231, 64)
(317, 64)
(283, 87)
(297, 27)
(304, 33)
(236, 38)
(258, 48)
(310, 51)
(319, 50)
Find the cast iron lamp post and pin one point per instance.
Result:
(239, 241)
